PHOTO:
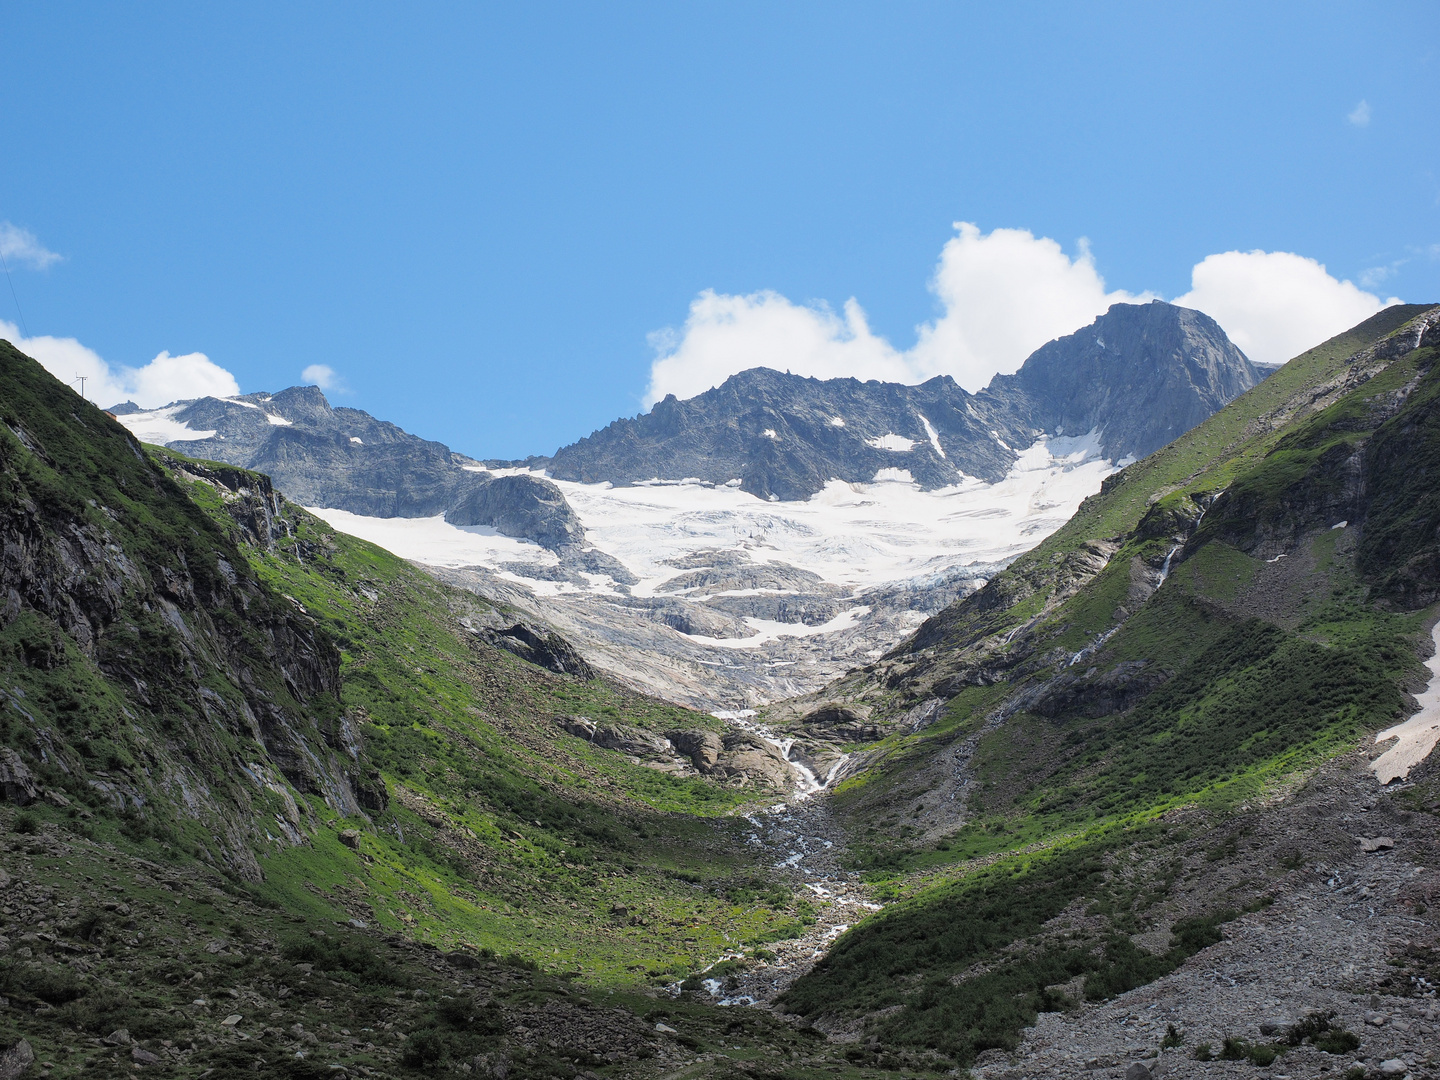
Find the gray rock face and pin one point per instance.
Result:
(520, 506)
(319, 455)
(539, 646)
(16, 1061)
(1141, 374)
(17, 783)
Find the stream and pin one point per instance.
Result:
(803, 841)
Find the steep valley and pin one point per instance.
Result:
(759, 540)
(280, 802)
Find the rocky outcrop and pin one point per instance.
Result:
(1138, 376)
(626, 738)
(175, 655)
(539, 646)
(17, 782)
(702, 747)
(519, 506)
(323, 456)
(738, 757)
(837, 723)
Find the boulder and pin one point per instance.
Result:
(17, 783)
(16, 1061)
(350, 838)
(539, 646)
(703, 748)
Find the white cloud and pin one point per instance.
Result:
(1360, 115)
(1003, 295)
(323, 376)
(163, 380)
(1275, 304)
(19, 246)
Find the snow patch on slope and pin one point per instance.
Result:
(1417, 736)
(855, 535)
(933, 435)
(160, 426)
(435, 542)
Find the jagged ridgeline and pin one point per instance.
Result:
(198, 670)
(1069, 755)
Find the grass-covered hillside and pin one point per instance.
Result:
(1224, 617)
(500, 830)
(224, 724)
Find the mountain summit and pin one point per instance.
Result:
(345, 459)
(1135, 378)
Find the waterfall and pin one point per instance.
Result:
(1165, 568)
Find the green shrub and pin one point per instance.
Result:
(1261, 1054)
(1318, 1029)
(427, 1046)
(1337, 1041)
(26, 823)
(31, 982)
(333, 954)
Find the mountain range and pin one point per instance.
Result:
(758, 540)
(1155, 797)
(1137, 376)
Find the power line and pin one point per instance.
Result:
(12, 294)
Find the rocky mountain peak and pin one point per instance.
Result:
(1138, 376)
(1141, 373)
(345, 459)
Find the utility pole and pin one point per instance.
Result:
(81, 380)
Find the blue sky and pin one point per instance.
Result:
(479, 216)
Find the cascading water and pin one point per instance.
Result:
(1165, 567)
(806, 782)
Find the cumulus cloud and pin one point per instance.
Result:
(163, 380)
(1002, 295)
(323, 376)
(20, 247)
(1275, 304)
(1360, 115)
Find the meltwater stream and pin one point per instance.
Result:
(798, 834)
(807, 783)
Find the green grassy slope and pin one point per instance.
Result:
(1204, 459)
(1282, 635)
(502, 830)
(199, 672)
(204, 979)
